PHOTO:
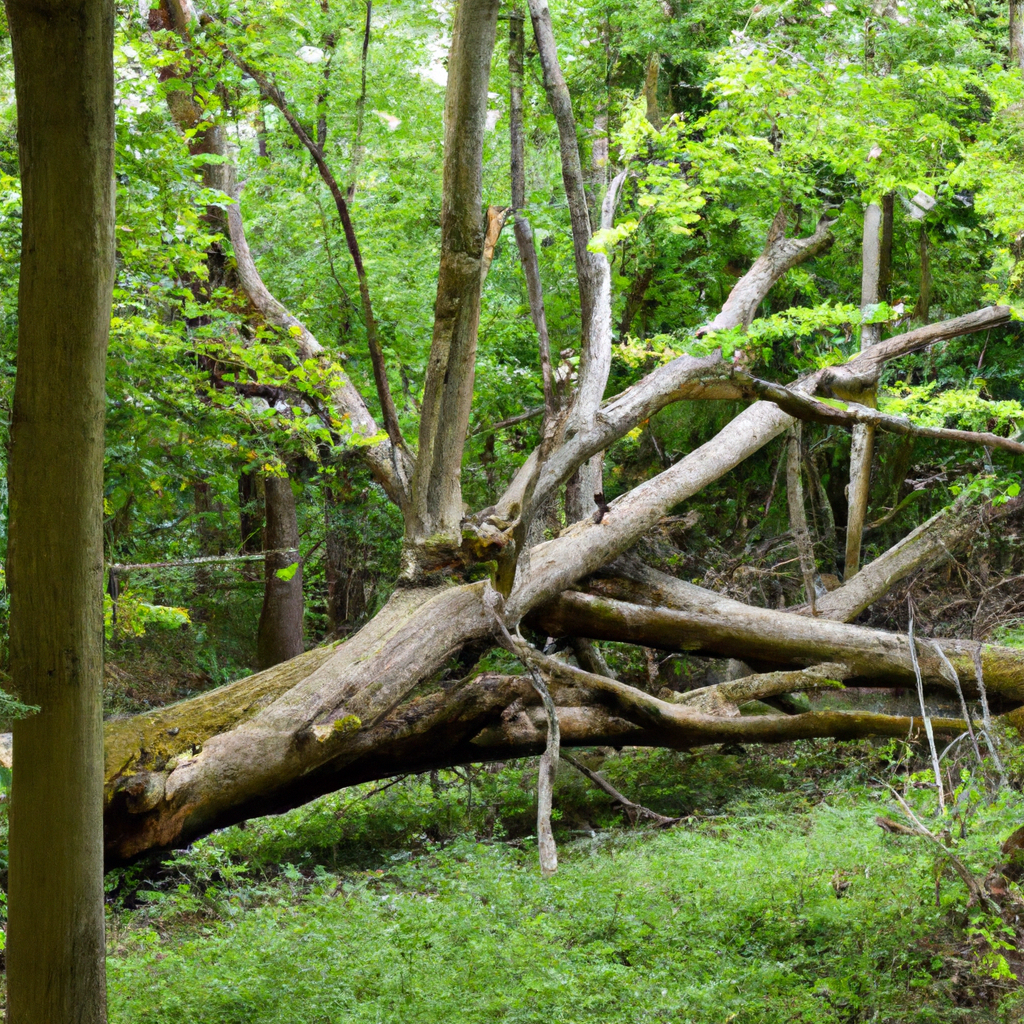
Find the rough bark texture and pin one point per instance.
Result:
(448, 390)
(64, 84)
(862, 447)
(692, 619)
(798, 511)
(593, 273)
(280, 630)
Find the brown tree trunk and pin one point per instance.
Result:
(64, 85)
(280, 630)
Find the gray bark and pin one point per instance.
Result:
(780, 254)
(436, 510)
(523, 232)
(862, 446)
(1017, 33)
(64, 85)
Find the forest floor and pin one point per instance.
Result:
(776, 898)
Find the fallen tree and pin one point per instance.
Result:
(402, 693)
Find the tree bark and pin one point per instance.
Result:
(280, 630)
(780, 254)
(1017, 33)
(862, 446)
(715, 625)
(798, 512)
(64, 85)
(523, 232)
(436, 513)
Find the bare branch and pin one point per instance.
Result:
(780, 254)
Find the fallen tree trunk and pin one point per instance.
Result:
(619, 609)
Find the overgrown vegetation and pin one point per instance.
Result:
(776, 898)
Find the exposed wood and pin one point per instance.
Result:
(806, 408)
(862, 445)
(523, 232)
(716, 625)
(723, 697)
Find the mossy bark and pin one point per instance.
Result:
(63, 61)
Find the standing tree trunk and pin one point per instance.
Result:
(1017, 33)
(863, 444)
(433, 529)
(280, 629)
(64, 84)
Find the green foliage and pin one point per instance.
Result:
(378, 905)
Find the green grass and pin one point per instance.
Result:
(319, 916)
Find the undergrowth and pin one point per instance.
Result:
(776, 899)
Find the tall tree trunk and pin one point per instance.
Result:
(523, 232)
(1017, 33)
(863, 444)
(433, 525)
(64, 84)
(280, 629)
(250, 520)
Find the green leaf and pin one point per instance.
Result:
(287, 572)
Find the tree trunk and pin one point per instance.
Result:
(862, 446)
(523, 233)
(433, 528)
(64, 84)
(280, 630)
(1017, 33)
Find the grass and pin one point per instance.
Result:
(779, 901)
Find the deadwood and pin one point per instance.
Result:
(617, 609)
(780, 254)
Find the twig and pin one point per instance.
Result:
(974, 887)
(979, 677)
(924, 711)
(634, 811)
(960, 693)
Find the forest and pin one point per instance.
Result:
(511, 511)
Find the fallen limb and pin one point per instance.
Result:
(635, 812)
(723, 698)
(931, 544)
(804, 407)
(728, 628)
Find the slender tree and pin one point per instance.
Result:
(63, 61)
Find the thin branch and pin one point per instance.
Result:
(523, 233)
(804, 407)
(634, 811)
(924, 711)
(546, 848)
(272, 93)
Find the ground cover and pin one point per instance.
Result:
(777, 899)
